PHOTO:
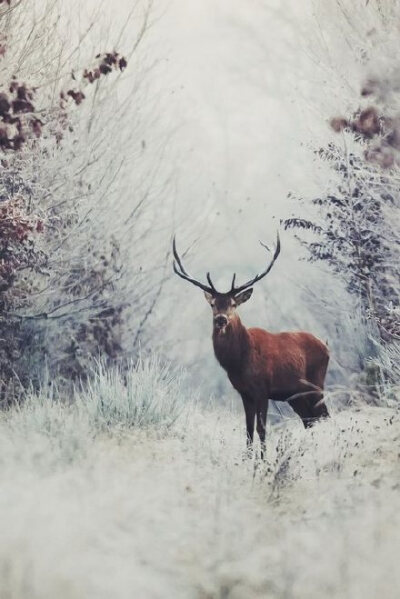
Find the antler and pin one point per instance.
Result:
(181, 272)
(234, 290)
(179, 269)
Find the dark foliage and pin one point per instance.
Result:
(17, 116)
(23, 230)
(354, 234)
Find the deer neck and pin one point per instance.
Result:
(233, 347)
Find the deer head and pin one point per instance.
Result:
(224, 304)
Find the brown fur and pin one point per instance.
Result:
(263, 366)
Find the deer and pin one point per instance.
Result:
(262, 366)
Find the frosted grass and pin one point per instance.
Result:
(142, 493)
(53, 431)
(149, 393)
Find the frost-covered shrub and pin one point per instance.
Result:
(45, 430)
(80, 218)
(355, 234)
(353, 228)
(48, 431)
(147, 393)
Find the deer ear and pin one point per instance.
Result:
(243, 297)
(209, 298)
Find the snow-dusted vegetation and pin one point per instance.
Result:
(168, 507)
(123, 463)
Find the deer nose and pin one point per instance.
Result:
(220, 321)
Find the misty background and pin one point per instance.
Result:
(246, 92)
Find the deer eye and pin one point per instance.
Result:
(234, 304)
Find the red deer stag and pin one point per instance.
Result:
(261, 365)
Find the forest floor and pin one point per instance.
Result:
(181, 514)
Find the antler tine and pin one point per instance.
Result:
(176, 256)
(264, 245)
(211, 283)
(233, 282)
(181, 272)
(264, 273)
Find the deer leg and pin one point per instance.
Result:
(261, 426)
(308, 401)
(316, 380)
(301, 406)
(250, 412)
(318, 408)
(310, 406)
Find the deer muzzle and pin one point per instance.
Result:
(220, 321)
